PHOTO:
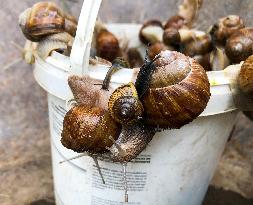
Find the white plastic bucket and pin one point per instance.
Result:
(174, 169)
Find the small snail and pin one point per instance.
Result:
(124, 105)
(179, 91)
(151, 32)
(43, 19)
(126, 108)
(239, 45)
(89, 129)
(107, 45)
(226, 27)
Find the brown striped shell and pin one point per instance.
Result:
(124, 105)
(227, 26)
(176, 22)
(240, 45)
(179, 91)
(88, 129)
(245, 78)
(42, 19)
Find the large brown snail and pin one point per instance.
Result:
(178, 92)
(43, 19)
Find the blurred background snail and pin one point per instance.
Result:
(48, 26)
(43, 19)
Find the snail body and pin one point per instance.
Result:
(179, 91)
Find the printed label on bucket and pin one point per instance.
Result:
(110, 193)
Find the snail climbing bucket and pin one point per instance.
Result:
(174, 169)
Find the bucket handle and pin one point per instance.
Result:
(80, 53)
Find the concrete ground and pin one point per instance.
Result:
(25, 163)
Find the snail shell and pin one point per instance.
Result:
(179, 91)
(107, 45)
(124, 105)
(42, 19)
(226, 27)
(239, 45)
(245, 78)
(88, 129)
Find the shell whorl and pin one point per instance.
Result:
(88, 129)
(179, 91)
(124, 105)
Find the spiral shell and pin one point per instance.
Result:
(179, 91)
(239, 45)
(42, 19)
(227, 26)
(245, 78)
(88, 129)
(124, 105)
(156, 48)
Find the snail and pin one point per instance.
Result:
(106, 43)
(239, 45)
(43, 19)
(225, 27)
(126, 109)
(151, 32)
(178, 91)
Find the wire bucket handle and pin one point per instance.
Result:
(80, 53)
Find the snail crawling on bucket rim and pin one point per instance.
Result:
(169, 92)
